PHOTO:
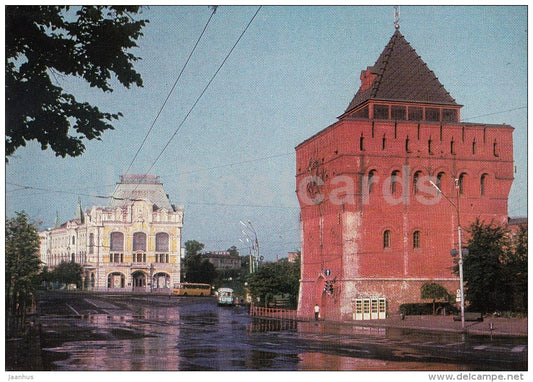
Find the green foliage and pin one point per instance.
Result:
(233, 251)
(200, 271)
(495, 269)
(196, 269)
(435, 292)
(193, 247)
(67, 273)
(22, 268)
(46, 42)
(516, 264)
(278, 278)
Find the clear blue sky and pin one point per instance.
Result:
(294, 71)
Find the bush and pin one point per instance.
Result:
(417, 309)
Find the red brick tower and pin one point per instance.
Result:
(374, 229)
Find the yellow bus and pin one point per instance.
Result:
(192, 289)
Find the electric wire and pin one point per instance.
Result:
(195, 171)
(171, 91)
(198, 98)
(496, 112)
(24, 187)
(203, 92)
(48, 190)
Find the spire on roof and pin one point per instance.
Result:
(397, 16)
(79, 212)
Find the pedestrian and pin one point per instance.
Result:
(317, 312)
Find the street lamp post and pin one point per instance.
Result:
(460, 243)
(249, 251)
(255, 241)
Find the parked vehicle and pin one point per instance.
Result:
(225, 297)
(192, 289)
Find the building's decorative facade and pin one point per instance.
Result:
(374, 227)
(133, 244)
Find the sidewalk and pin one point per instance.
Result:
(501, 326)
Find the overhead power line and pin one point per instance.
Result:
(497, 112)
(199, 97)
(232, 164)
(203, 91)
(171, 90)
(194, 171)
(23, 187)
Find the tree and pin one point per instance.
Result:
(68, 273)
(516, 264)
(89, 42)
(193, 247)
(485, 274)
(277, 278)
(233, 251)
(196, 269)
(22, 268)
(434, 291)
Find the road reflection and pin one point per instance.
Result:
(328, 362)
(196, 334)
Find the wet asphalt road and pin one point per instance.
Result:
(82, 331)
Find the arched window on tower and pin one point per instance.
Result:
(384, 143)
(452, 147)
(495, 148)
(416, 179)
(362, 142)
(461, 183)
(371, 180)
(394, 182)
(483, 184)
(386, 239)
(440, 177)
(416, 239)
(474, 147)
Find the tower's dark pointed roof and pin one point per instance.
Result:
(399, 74)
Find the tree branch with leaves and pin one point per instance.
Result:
(44, 42)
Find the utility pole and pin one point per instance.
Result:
(460, 243)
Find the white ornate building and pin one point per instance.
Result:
(133, 244)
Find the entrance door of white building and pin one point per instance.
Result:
(139, 281)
